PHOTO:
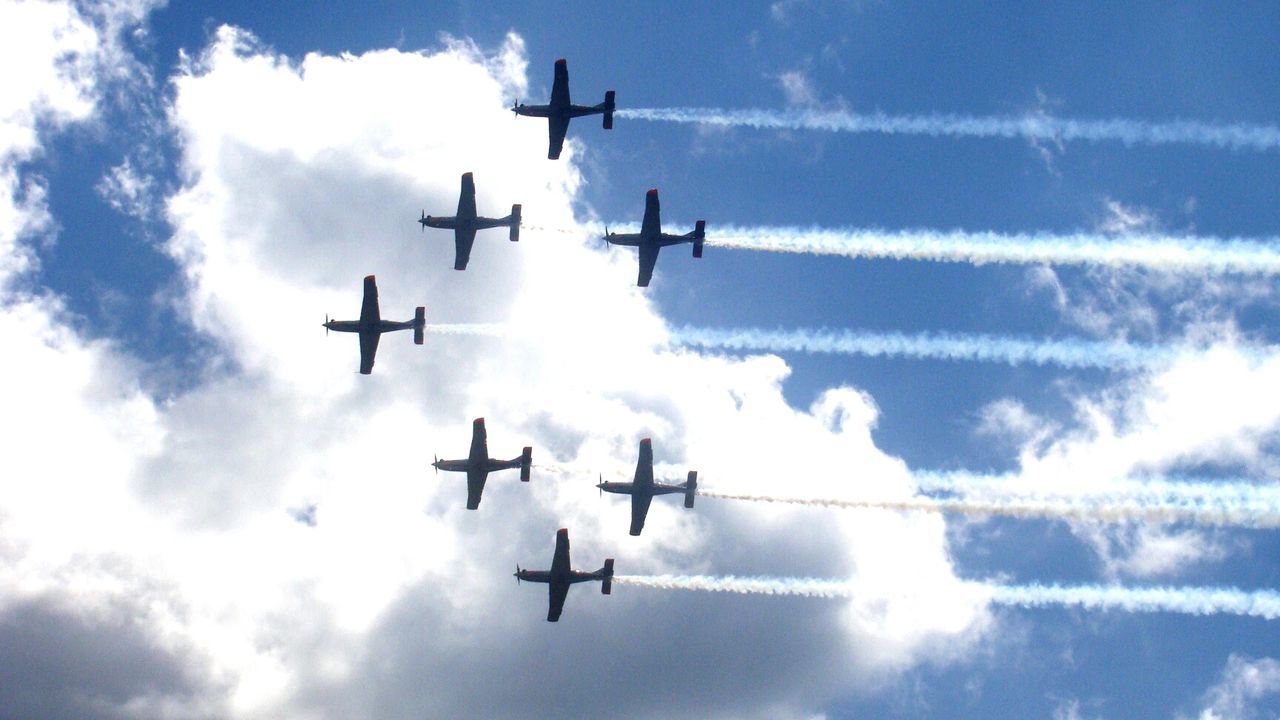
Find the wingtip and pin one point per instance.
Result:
(368, 278)
(561, 61)
(652, 191)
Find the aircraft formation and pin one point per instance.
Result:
(477, 465)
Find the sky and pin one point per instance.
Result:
(978, 368)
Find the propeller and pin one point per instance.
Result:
(517, 573)
(326, 324)
(435, 463)
(600, 487)
(423, 220)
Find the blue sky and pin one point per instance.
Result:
(281, 153)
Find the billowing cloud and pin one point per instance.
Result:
(298, 177)
(1243, 684)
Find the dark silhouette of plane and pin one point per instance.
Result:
(466, 223)
(560, 576)
(371, 325)
(644, 488)
(561, 110)
(651, 239)
(478, 464)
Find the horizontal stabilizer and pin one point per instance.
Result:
(526, 462)
(419, 325)
(607, 586)
(691, 488)
(608, 110)
(515, 222)
(699, 235)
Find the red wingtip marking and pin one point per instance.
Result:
(466, 174)
(479, 421)
(560, 61)
(652, 191)
(368, 277)
(562, 531)
(646, 441)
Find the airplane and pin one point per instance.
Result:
(478, 464)
(371, 325)
(651, 239)
(560, 576)
(644, 488)
(561, 111)
(466, 223)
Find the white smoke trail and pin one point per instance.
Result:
(1237, 136)
(1225, 491)
(1187, 600)
(481, 329)
(1173, 253)
(1071, 353)
(1254, 515)
(1068, 353)
(1161, 252)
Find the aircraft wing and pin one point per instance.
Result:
(560, 561)
(463, 239)
(479, 443)
(652, 223)
(648, 259)
(557, 127)
(369, 346)
(369, 315)
(475, 487)
(558, 592)
(467, 198)
(639, 510)
(560, 85)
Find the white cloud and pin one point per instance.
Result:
(1243, 683)
(298, 178)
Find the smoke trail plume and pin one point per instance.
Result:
(1148, 489)
(483, 329)
(1070, 353)
(1237, 136)
(1187, 600)
(1161, 252)
(1255, 515)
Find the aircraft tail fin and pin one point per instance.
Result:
(607, 585)
(526, 462)
(515, 222)
(419, 324)
(699, 236)
(691, 488)
(608, 110)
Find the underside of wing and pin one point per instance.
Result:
(475, 487)
(368, 349)
(479, 452)
(557, 593)
(369, 315)
(639, 511)
(463, 239)
(560, 85)
(467, 198)
(557, 128)
(652, 223)
(648, 259)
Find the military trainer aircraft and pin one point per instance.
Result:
(561, 110)
(561, 576)
(466, 223)
(371, 325)
(478, 464)
(644, 488)
(651, 239)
